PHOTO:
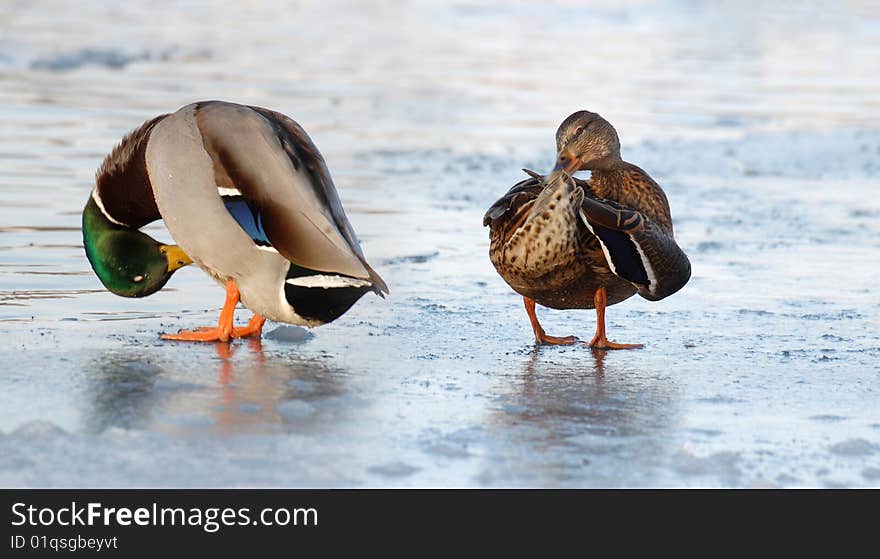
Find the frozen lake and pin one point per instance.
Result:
(764, 130)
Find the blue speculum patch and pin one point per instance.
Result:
(248, 217)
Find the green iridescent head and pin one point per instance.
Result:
(128, 262)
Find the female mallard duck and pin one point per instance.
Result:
(247, 196)
(569, 244)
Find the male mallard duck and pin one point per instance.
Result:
(569, 244)
(247, 196)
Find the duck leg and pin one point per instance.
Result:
(599, 341)
(540, 336)
(254, 328)
(225, 328)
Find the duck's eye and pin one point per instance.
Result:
(578, 130)
(137, 279)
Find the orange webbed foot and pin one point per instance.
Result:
(203, 334)
(224, 329)
(556, 340)
(216, 334)
(599, 341)
(605, 343)
(253, 329)
(541, 337)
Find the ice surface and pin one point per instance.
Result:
(764, 131)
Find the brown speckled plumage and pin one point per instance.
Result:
(559, 240)
(631, 187)
(548, 254)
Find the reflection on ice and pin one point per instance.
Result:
(250, 393)
(577, 419)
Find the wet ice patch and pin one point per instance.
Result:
(706, 432)
(709, 246)
(720, 399)
(290, 334)
(38, 430)
(768, 154)
(412, 258)
(110, 58)
(453, 445)
(447, 450)
(871, 474)
(854, 447)
(303, 386)
(107, 57)
(248, 408)
(393, 469)
(828, 418)
(720, 465)
(296, 409)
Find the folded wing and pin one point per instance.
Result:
(276, 185)
(636, 248)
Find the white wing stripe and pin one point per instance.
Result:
(327, 281)
(601, 244)
(646, 264)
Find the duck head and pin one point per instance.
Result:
(586, 141)
(128, 262)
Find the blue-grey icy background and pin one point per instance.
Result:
(761, 121)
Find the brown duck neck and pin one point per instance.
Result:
(605, 177)
(123, 187)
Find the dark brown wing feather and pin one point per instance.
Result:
(516, 197)
(635, 228)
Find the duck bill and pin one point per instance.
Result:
(567, 161)
(175, 256)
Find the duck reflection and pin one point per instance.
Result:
(278, 392)
(573, 417)
(122, 390)
(226, 389)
